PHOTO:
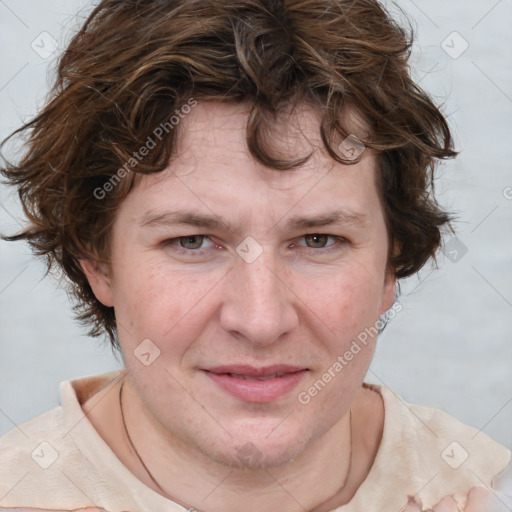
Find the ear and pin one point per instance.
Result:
(99, 279)
(389, 286)
(388, 292)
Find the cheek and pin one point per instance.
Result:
(344, 302)
(152, 302)
(345, 316)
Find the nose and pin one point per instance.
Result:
(258, 304)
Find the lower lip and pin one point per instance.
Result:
(259, 391)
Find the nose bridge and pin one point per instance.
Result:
(262, 284)
(261, 307)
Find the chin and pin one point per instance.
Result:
(258, 450)
(251, 457)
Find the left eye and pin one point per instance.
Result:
(191, 242)
(319, 241)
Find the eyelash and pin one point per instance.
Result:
(174, 242)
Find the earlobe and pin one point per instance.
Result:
(99, 279)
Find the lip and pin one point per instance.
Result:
(253, 390)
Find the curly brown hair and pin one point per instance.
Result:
(135, 63)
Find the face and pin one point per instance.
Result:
(249, 284)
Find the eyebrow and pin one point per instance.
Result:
(212, 222)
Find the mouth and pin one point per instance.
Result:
(258, 385)
(248, 377)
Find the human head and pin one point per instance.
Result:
(135, 65)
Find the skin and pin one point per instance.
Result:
(301, 302)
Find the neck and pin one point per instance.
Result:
(324, 477)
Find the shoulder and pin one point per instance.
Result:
(32, 452)
(48, 460)
(440, 455)
(436, 430)
(18, 444)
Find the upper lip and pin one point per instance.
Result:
(251, 371)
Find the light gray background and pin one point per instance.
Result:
(450, 347)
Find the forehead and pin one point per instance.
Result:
(214, 171)
(293, 134)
